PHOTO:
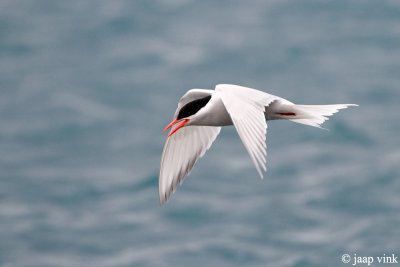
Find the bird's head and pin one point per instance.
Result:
(187, 114)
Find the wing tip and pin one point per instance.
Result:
(261, 172)
(163, 199)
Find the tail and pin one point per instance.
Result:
(313, 115)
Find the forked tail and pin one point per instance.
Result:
(313, 115)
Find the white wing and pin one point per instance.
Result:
(181, 151)
(246, 107)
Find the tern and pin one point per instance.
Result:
(201, 113)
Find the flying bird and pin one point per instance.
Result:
(201, 113)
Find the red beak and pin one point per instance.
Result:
(173, 122)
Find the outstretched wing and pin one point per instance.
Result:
(181, 151)
(246, 107)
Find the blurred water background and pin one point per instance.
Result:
(87, 86)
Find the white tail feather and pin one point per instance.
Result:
(314, 115)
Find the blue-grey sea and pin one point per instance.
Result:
(86, 88)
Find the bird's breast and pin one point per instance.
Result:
(213, 114)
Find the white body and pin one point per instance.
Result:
(213, 114)
(245, 108)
